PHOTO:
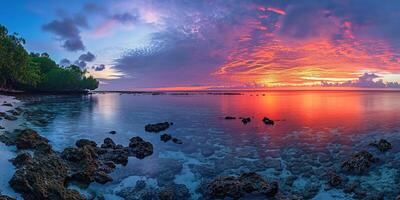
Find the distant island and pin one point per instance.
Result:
(37, 73)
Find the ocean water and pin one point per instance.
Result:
(314, 132)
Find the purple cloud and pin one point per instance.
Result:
(98, 68)
(87, 57)
(65, 62)
(367, 80)
(67, 30)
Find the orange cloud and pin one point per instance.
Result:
(282, 62)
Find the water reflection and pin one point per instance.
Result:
(310, 126)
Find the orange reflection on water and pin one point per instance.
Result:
(314, 117)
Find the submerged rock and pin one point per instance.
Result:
(7, 104)
(140, 191)
(174, 192)
(246, 120)
(268, 121)
(165, 137)
(359, 162)
(157, 127)
(177, 141)
(2, 127)
(10, 117)
(4, 197)
(229, 117)
(383, 145)
(113, 132)
(237, 187)
(143, 191)
(3, 114)
(334, 179)
(14, 112)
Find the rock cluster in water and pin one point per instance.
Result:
(11, 115)
(143, 191)
(383, 145)
(359, 162)
(46, 174)
(246, 120)
(237, 187)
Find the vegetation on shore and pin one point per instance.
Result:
(35, 72)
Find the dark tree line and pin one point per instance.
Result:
(20, 70)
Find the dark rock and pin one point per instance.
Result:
(7, 104)
(10, 118)
(177, 141)
(43, 178)
(229, 117)
(118, 156)
(138, 192)
(246, 120)
(351, 187)
(101, 177)
(22, 159)
(268, 121)
(4, 197)
(359, 162)
(30, 139)
(85, 142)
(2, 127)
(237, 187)
(110, 164)
(290, 180)
(108, 143)
(174, 192)
(84, 163)
(140, 148)
(113, 132)
(383, 145)
(3, 114)
(165, 137)
(310, 190)
(334, 179)
(14, 112)
(84, 154)
(207, 152)
(157, 127)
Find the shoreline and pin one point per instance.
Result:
(21, 93)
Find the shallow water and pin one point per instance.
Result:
(314, 132)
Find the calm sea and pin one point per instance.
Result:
(314, 132)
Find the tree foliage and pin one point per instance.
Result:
(37, 72)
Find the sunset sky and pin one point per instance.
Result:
(190, 44)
